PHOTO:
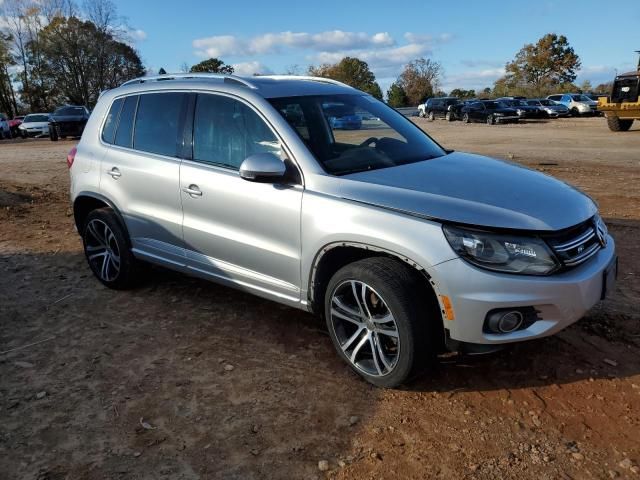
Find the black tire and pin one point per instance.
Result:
(449, 117)
(431, 116)
(402, 292)
(575, 112)
(128, 270)
(465, 118)
(53, 134)
(490, 120)
(23, 135)
(617, 124)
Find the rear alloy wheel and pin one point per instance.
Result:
(377, 319)
(617, 124)
(490, 120)
(431, 116)
(107, 250)
(465, 118)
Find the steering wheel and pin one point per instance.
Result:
(369, 141)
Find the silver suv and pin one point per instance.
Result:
(404, 247)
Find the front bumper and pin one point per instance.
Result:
(34, 132)
(560, 299)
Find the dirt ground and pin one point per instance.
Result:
(183, 379)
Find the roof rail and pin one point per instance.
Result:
(185, 76)
(304, 77)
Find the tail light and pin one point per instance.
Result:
(71, 156)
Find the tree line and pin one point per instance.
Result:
(53, 52)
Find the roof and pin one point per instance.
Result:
(267, 86)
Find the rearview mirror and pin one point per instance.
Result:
(263, 167)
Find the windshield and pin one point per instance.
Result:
(69, 111)
(353, 133)
(580, 98)
(547, 103)
(36, 118)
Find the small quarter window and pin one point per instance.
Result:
(109, 129)
(125, 124)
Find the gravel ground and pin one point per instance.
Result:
(183, 379)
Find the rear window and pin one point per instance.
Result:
(70, 111)
(109, 129)
(157, 123)
(125, 124)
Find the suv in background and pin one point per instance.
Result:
(441, 107)
(403, 247)
(67, 121)
(577, 103)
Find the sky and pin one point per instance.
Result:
(471, 39)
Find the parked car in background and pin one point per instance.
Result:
(552, 109)
(341, 118)
(522, 108)
(14, 123)
(490, 112)
(403, 247)
(68, 121)
(5, 130)
(440, 107)
(577, 103)
(35, 125)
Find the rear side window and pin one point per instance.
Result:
(109, 129)
(125, 124)
(157, 123)
(226, 131)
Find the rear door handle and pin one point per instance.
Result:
(193, 190)
(115, 173)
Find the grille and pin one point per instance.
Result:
(580, 243)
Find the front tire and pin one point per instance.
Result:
(448, 117)
(490, 120)
(377, 318)
(465, 118)
(108, 252)
(617, 124)
(431, 116)
(53, 134)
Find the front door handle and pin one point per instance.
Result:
(193, 190)
(115, 173)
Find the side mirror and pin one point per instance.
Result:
(263, 168)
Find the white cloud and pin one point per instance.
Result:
(268, 43)
(475, 79)
(136, 35)
(250, 68)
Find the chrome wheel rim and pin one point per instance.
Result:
(365, 328)
(103, 252)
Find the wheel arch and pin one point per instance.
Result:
(86, 202)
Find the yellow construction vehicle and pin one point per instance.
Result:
(622, 107)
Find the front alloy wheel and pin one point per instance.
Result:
(365, 328)
(465, 118)
(490, 120)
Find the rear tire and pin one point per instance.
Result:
(108, 250)
(617, 124)
(359, 297)
(431, 116)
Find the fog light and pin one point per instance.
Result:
(505, 321)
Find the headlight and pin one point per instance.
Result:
(502, 252)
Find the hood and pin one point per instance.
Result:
(34, 124)
(475, 190)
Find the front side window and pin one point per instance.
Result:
(157, 122)
(350, 133)
(226, 131)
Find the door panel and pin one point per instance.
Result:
(246, 233)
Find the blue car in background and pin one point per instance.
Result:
(346, 122)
